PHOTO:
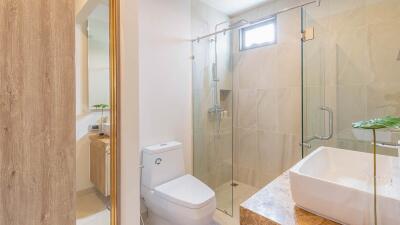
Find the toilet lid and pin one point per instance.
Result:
(186, 191)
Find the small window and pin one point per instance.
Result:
(258, 35)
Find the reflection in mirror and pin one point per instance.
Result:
(93, 156)
(98, 57)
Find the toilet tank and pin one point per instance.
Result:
(162, 163)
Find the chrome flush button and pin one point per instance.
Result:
(158, 161)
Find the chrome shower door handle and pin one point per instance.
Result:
(330, 112)
(306, 143)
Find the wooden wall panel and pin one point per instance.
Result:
(37, 112)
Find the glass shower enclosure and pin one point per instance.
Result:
(257, 112)
(351, 72)
(213, 117)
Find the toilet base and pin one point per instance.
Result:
(154, 219)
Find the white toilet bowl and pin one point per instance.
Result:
(171, 197)
(182, 201)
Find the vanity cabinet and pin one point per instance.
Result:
(100, 163)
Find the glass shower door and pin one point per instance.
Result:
(212, 117)
(351, 66)
(317, 111)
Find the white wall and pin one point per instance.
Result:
(155, 87)
(129, 115)
(82, 109)
(204, 18)
(165, 73)
(81, 68)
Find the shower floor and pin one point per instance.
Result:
(241, 193)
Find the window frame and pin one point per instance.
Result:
(242, 31)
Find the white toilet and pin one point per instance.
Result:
(171, 196)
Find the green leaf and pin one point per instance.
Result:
(101, 106)
(379, 123)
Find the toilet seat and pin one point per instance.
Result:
(186, 191)
(181, 201)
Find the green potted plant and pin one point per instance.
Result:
(388, 122)
(102, 107)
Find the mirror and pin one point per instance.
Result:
(96, 164)
(98, 57)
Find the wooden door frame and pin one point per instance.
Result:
(114, 21)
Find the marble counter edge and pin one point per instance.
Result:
(273, 204)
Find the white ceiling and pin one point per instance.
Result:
(234, 7)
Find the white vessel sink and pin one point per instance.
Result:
(338, 184)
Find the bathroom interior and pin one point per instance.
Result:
(200, 112)
(275, 81)
(93, 127)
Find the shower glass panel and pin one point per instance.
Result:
(314, 83)
(265, 116)
(213, 113)
(351, 66)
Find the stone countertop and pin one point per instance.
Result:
(274, 205)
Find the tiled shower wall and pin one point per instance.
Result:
(368, 71)
(354, 56)
(350, 66)
(267, 101)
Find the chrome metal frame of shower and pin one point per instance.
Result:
(248, 23)
(216, 108)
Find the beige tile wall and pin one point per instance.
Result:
(359, 43)
(350, 66)
(267, 84)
